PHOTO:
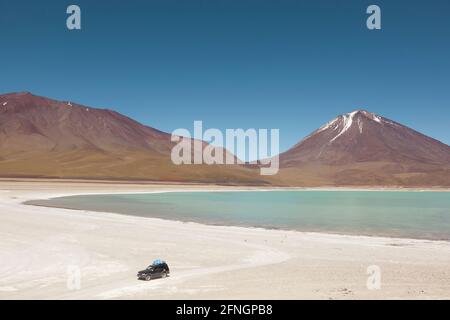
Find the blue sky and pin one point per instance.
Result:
(292, 65)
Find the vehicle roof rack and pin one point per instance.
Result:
(158, 262)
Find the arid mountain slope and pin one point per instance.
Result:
(41, 137)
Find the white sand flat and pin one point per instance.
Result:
(42, 249)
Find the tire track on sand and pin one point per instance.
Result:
(264, 256)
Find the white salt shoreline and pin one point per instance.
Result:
(214, 262)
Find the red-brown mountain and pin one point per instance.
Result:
(41, 137)
(31, 123)
(362, 148)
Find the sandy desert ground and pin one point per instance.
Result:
(43, 249)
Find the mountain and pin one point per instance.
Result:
(362, 148)
(41, 137)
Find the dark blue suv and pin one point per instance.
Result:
(158, 269)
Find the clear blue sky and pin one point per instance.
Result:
(284, 64)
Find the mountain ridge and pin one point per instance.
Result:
(41, 137)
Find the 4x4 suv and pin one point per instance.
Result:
(158, 269)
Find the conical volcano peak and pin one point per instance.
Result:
(356, 118)
(362, 112)
(359, 138)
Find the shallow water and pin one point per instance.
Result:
(422, 215)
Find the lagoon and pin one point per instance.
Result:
(420, 215)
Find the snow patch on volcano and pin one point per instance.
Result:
(348, 121)
(360, 125)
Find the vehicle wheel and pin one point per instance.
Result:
(163, 275)
(148, 278)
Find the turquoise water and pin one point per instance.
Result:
(424, 215)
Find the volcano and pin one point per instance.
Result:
(363, 148)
